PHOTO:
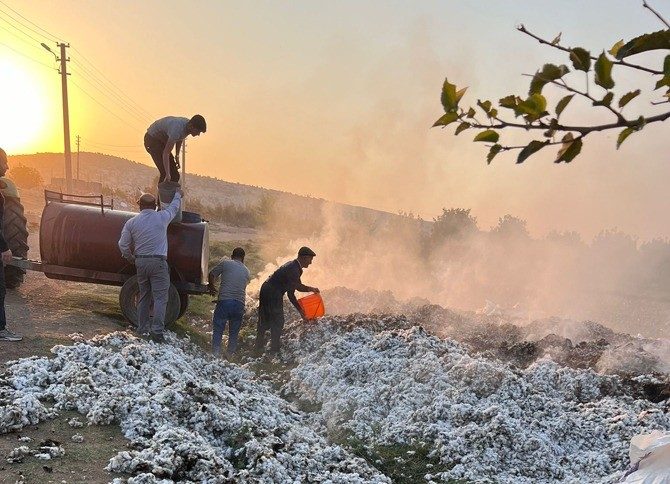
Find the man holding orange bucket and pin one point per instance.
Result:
(285, 280)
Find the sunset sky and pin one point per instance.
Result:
(336, 99)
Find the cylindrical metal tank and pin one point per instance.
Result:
(86, 237)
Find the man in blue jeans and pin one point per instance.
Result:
(230, 305)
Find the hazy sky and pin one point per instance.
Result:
(336, 99)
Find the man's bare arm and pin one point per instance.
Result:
(302, 288)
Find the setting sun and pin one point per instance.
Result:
(24, 107)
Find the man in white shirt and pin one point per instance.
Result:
(144, 242)
(167, 133)
(232, 294)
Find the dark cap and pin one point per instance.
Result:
(306, 251)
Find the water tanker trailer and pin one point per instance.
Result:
(78, 242)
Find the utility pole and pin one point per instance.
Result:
(183, 165)
(66, 117)
(78, 142)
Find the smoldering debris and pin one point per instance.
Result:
(389, 383)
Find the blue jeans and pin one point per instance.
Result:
(227, 310)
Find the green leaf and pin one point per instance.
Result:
(448, 98)
(485, 105)
(446, 119)
(550, 72)
(459, 94)
(615, 48)
(553, 125)
(562, 104)
(623, 135)
(462, 127)
(471, 113)
(489, 136)
(645, 43)
(626, 98)
(570, 149)
(581, 59)
(509, 102)
(534, 107)
(603, 68)
(665, 80)
(557, 39)
(606, 100)
(495, 149)
(532, 147)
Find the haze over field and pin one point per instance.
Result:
(336, 101)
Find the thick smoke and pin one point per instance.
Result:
(613, 279)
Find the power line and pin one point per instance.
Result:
(139, 108)
(91, 78)
(91, 81)
(102, 105)
(53, 37)
(112, 145)
(37, 41)
(28, 57)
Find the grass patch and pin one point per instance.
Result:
(253, 260)
(201, 306)
(94, 299)
(403, 463)
(82, 462)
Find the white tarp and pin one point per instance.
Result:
(650, 455)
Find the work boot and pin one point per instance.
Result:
(7, 335)
(157, 338)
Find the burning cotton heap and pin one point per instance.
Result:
(189, 418)
(484, 421)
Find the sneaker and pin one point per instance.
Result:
(157, 338)
(7, 335)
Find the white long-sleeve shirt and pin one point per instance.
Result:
(146, 232)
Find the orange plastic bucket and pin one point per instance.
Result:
(312, 306)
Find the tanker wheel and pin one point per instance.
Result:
(183, 304)
(15, 232)
(130, 294)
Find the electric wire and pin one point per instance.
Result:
(125, 121)
(92, 78)
(133, 108)
(28, 57)
(91, 81)
(36, 43)
(112, 145)
(137, 106)
(53, 38)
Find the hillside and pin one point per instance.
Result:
(131, 177)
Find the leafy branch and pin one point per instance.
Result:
(531, 113)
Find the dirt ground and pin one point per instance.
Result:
(47, 311)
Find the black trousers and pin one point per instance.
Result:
(155, 147)
(3, 292)
(270, 317)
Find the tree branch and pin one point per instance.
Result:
(548, 143)
(563, 85)
(583, 130)
(646, 5)
(521, 28)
